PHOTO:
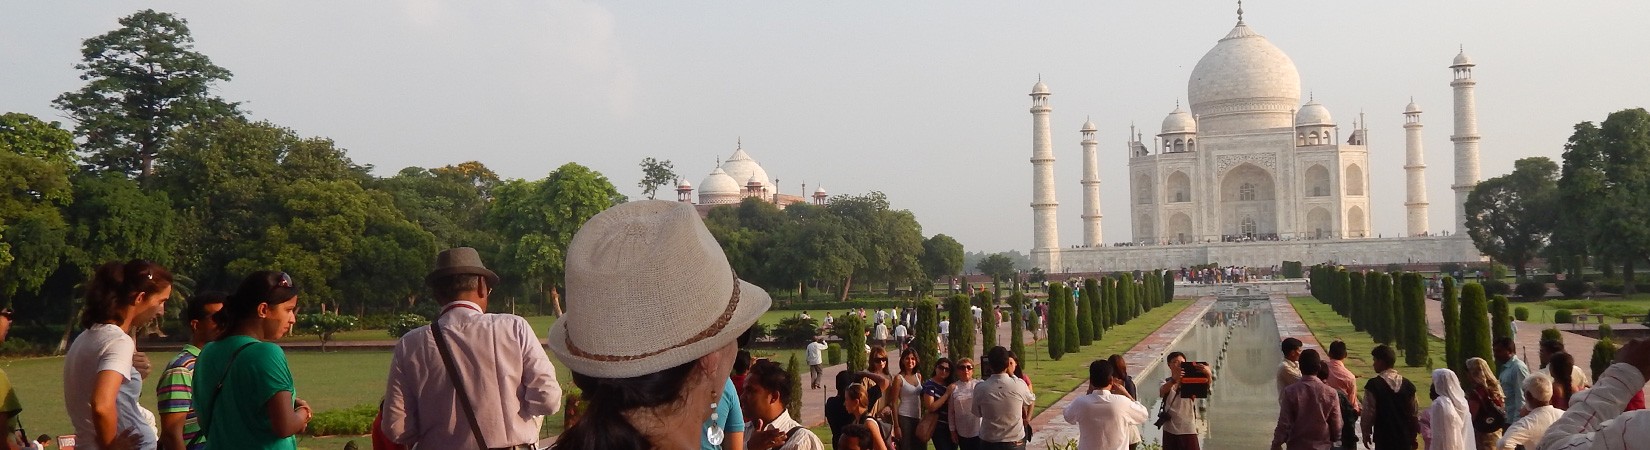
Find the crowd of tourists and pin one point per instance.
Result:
(474, 380)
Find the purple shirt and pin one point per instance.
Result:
(1309, 416)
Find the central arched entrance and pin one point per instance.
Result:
(1248, 204)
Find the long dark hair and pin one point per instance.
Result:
(114, 285)
(603, 425)
(261, 287)
(1561, 365)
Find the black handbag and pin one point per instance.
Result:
(1489, 418)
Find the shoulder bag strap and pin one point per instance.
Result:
(458, 384)
(216, 390)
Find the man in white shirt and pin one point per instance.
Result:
(1102, 417)
(829, 320)
(899, 336)
(1003, 404)
(816, 360)
(805, 315)
(767, 389)
(1595, 420)
(880, 333)
(1289, 370)
(1527, 431)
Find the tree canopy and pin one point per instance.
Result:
(1510, 217)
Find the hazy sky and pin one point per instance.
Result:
(926, 101)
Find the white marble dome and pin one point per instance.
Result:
(1179, 121)
(1088, 125)
(1461, 59)
(741, 167)
(718, 183)
(1313, 113)
(1412, 108)
(1244, 74)
(1039, 88)
(684, 184)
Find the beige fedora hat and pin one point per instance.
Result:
(648, 289)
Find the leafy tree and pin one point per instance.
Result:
(960, 344)
(997, 266)
(1146, 295)
(815, 246)
(1415, 311)
(925, 334)
(988, 319)
(1016, 334)
(851, 329)
(1056, 322)
(942, 256)
(889, 241)
(144, 80)
(1451, 306)
(450, 202)
(324, 325)
(1500, 318)
(1510, 217)
(537, 220)
(1604, 194)
(656, 173)
(1475, 325)
(36, 159)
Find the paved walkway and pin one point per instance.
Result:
(1290, 323)
(1141, 358)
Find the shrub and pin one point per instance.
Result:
(833, 354)
(795, 331)
(1394, 268)
(851, 329)
(1604, 353)
(324, 325)
(1563, 316)
(1572, 288)
(403, 323)
(1291, 269)
(1500, 317)
(1552, 334)
(1495, 286)
(1531, 290)
(1522, 314)
(355, 420)
(1450, 268)
(1605, 331)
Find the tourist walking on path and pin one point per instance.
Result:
(815, 356)
(1449, 415)
(1103, 415)
(468, 379)
(1486, 403)
(767, 390)
(101, 380)
(1309, 413)
(1003, 404)
(907, 403)
(244, 393)
(1510, 372)
(880, 332)
(647, 384)
(9, 406)
(1289, 370)
(1528, 430)
(178, 424)
(1389, 412)
(965, 423)
(1596, 420)
(1185, 424)
(1342, 379)
(936, 397)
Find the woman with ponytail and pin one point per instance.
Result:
(100, 383)
(244, 394)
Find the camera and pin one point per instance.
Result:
(1194, 380)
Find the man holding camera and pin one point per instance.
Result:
(1179, 419)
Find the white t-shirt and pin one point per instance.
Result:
(899, 331)
(880, 333)
(104, 347)
(813, 356)
(945, 327)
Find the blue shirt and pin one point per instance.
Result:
(727, 412)
(1511, 375)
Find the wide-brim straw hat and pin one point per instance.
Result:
(648, 289)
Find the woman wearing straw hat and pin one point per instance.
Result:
(654, 312)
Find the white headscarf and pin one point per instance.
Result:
(1451, 419)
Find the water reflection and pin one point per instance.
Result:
(1240, 339)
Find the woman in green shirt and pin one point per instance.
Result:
(243, 390)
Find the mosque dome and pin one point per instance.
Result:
(718, 183)
(1039, 88)
(1244, 83)
(741, 167)
(1179, 121)
(1313, 113)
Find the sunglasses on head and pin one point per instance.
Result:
(284, 281)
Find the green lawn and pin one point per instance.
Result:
(1054, 379)
(1614, 307)
(1328, 326)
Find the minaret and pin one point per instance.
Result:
(1045, 250)
(1465, 138)
(1091, 187)
(1415, 166)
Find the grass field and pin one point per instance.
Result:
(1328, 326)
(1542, 311)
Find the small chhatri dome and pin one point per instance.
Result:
(1179, 121)
(1412, 108)
(1039, 88)
(1313, 113)
(754, 181)
(820, 191)
(1088, 125)
(718, 182)
(1461, 59)
(683, 184)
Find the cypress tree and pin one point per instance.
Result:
(1332, 281)
(1400, 318)
(1147, 300)
(1085, 318)
(925, 334)
(1016, 334)
(793, 405)
(1355, 296)
(851, 329)
(1056, 324)
(1415, 305)
(1343, 291)
(1451, 307)
(1125, 298)
(1500, 317)
(961, 343)
(1091, 290)
(988, 320)
(1475, 326)
(1108, 303)
(1384, 308)
(1168, 287)
(1074, 335)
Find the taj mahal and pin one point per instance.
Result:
(1251, 176)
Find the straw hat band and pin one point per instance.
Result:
(714, 329)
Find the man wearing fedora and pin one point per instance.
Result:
(468, 379)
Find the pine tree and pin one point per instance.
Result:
(1451, 307)
(1016, 333)
(1056, 323)
(988, 320)
(1358, 305)
(1475, 326)
(1415, 305)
